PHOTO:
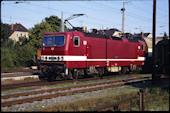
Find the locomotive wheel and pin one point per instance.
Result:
(49, 79)
(95, 75)
(41, 77)
(81, 73)
(101, 72)
(70, 74)
(123, 71)
(49, 74)
(138, 69)
(75, 74)
(78, 73)
(60, 77)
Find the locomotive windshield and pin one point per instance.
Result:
(53, 41)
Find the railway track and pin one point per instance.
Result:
(20, 98)
(5, 87)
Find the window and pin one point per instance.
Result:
(76, 41)
(48, 41)
(58, 40)
(143, 47)
(53, 40)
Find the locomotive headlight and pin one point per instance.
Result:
(62, 58)
(58, 58)
(42, 58)
(45, 58)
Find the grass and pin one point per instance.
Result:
(153, 105)
(160, 105)
(93, 81)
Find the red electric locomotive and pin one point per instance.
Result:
(73, 54)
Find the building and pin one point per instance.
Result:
(18, 30)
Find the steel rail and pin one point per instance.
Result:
(49, 96)
(68, 87)
(5, 87)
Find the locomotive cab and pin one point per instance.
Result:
(61, 53)
(52, 60)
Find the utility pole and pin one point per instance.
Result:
(62, 22)
(123, 17)
(154, 70)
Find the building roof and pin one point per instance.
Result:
(144, 34)
(160, 38)
(18, 27)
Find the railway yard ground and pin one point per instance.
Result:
(113, 92)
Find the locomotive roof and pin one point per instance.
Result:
(94, 35)
(130, 38)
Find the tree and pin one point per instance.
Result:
(165, 36)
(37, 32)
(55, 22)
(5, 32)
(7, 60)
(25, 55)
(51, 24)
(21, 53)
(23, 40)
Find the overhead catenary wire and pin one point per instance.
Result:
(130, 14)
(101, 21)
(60, 11)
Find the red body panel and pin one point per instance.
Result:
(96, 52)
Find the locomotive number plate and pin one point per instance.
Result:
(52, 58)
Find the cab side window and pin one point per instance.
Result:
(76, 41)
(143, 47)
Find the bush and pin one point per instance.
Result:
(17, 55)
(25, 55)
(7, 60)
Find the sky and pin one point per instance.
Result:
(99, 14)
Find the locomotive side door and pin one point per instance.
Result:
(88, 52)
